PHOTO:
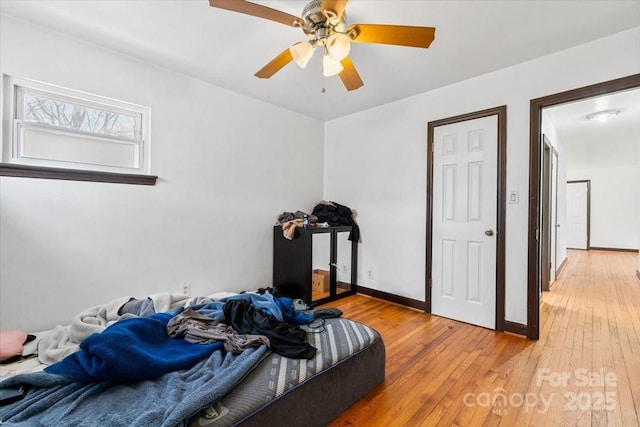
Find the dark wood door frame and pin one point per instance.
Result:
(588, 181)
(535, 131)
(501, 113)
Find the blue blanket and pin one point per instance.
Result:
(280, 308)
(55, 400)
(132, 350)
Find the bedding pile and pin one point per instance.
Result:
(62, 341)
(159, 353)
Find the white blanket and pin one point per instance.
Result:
(64, 340)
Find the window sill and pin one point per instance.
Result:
(23, 171)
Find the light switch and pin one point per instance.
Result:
(513, 197)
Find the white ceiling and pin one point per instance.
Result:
(590, 142)
(227, 48)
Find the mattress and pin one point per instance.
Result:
(350, 361)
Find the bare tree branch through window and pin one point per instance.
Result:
(53, 112)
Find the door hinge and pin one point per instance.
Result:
(537, 234)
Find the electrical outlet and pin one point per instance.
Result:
(186, 288)
(344, 268)
(370, 274)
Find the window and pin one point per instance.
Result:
(49, 126)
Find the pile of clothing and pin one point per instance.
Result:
(336, 214)
(324, 214)
(290, 220)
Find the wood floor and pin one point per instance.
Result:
(584, 370)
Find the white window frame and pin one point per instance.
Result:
(14, 128)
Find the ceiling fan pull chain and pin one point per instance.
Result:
(323, 89)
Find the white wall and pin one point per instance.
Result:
(615, 207)
(375, 161)
(613, 166)
(227, 166)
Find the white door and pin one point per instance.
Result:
(465, 221)
(577, 214)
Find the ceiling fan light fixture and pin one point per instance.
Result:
(338, 46)
(330, 67)
(603, 116)
(302, 52)
(325, 23)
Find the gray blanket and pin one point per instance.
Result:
(165, 401)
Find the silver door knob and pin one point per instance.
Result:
(488, 232)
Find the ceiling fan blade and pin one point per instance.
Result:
(336, 6)
(402, 35)
(275, 65)
(258, 10)
(349, 75)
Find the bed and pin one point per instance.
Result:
(257, 386)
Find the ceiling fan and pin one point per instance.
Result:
(324, 22)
